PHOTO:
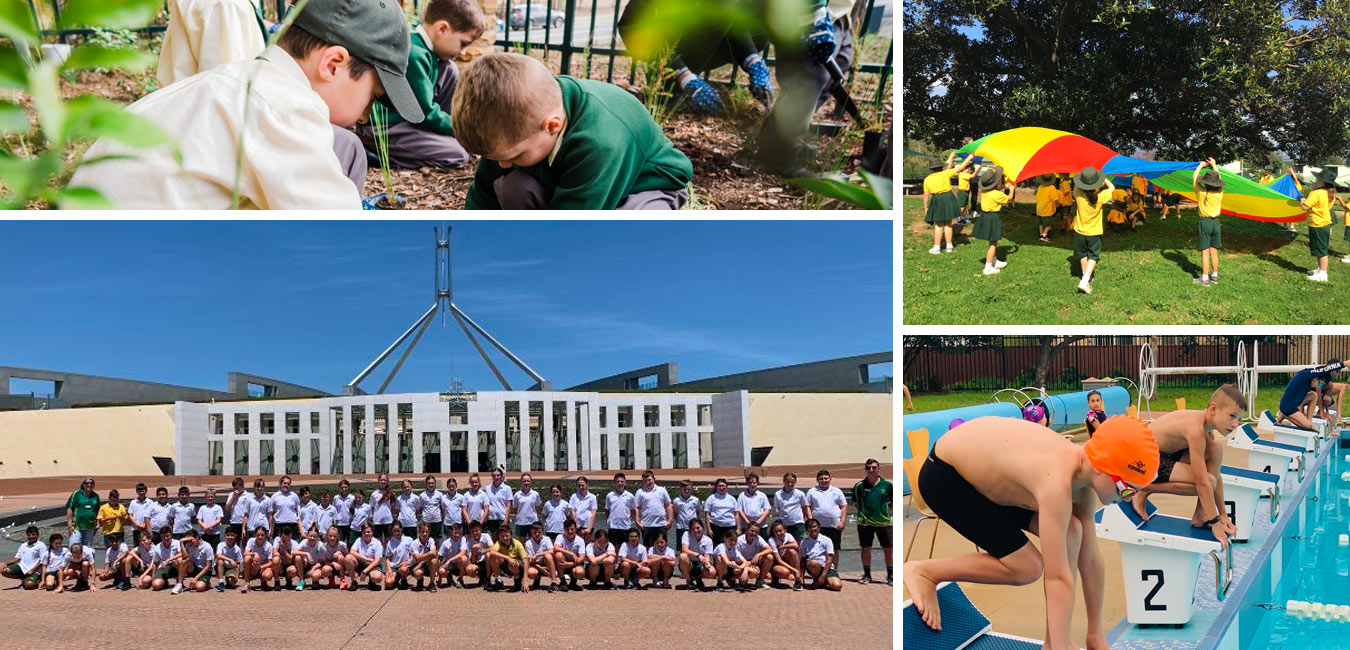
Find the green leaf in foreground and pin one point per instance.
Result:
(837, 187)
(109, 13)
(82, 198)
(16, 22)
(97, 56)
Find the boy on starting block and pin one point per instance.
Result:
(558, 142)
(1189, 459)
(1296, 393)
(992, 478)
(259, 133)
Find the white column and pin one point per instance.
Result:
(279, 449)
(369, 421)
(592, 433)
(391, 434)
(325, 441)
(640, 436)
(348, 440)
(546, 425)
(418, 455)
(663, 420)
(254, 443)
(500, 436)
(444, 437)
(613, 442)
(473, 450)
(525, 443)
(227, 451)
(691, 427)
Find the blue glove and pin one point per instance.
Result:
(704, 98)
(820, 44)
(372, 202)
(760, 86)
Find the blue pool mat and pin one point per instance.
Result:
(1287, 425)
(961, 622)
(995, 642)
(1177, 527)
(1242, 472)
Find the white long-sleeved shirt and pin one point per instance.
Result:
(203, 34)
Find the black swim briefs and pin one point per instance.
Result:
(995, 528)
(1165, 463)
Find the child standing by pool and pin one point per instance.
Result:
(1091, 193)
(1209, 196)
(940, 202)
(992, 478)
(1096, 412)
(990, 226)
(1047, 203)
(1318, 205)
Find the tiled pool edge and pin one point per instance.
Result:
(1215, 635)
(1235, 601)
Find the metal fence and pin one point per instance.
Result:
(578, 50)
(993, 362)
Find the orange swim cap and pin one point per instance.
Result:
(1124, 446)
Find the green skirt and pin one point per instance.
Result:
(942, 207)
(989, 227)
(962, 198)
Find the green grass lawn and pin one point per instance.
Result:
(1143, 277)
(1165, 400)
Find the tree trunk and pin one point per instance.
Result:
(1050, 346)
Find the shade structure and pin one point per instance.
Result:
(1028, 152)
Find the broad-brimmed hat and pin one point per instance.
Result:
(1269, 168)
(1326, 175)
(991, 178)
(1090, 178)
(937, 166)
(1212, 180)
(1045, 179)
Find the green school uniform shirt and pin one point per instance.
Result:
(423, 65)
(609, 148)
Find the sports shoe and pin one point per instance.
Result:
(999, 265)
(1202, 280)
(890, 580)
(949, 248)
(1346, 259)
(990, 270)
(865, 580)
(177, 589)
(797, 586)
(300, 585)
(1213, 278)
(125, 585)
(1084, 286)
(220, 587)
(936, 250)
(1317, 277)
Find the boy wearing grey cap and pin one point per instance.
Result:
(257, 134)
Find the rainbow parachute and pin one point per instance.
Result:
(1028, 152)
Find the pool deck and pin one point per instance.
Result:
(1021, 610)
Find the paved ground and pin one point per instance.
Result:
(857, 618)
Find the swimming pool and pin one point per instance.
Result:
(1296, 558)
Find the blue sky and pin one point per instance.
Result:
(313, 302)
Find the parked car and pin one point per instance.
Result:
(539, 15)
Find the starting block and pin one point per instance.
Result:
(1242, 490)
(1264, 455)
(963, 626)
(1160, 559)
(1321, 428)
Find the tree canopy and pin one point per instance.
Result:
(1190, 78)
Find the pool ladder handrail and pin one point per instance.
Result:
(1274, 492)
(1223, 571)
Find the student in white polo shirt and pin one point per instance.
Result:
(334, 560)
(584, 507)
(54, 564)
(655, 510)
(827, 505)
(113, 558)
(819, 558)
(409, 506)
(721, 509)
(310, 556)
(138, 564)
(327, 515)
(661, 562)
(791, 506)
(499, 502)
(525, 503)
(138, 510)
(424, 560)
(259, 509)
(433, 503)
(454, 557)
(787, 561)
(368, 556)
(633, 562)
(601, 556)
(309, 513)
(181, 513)
(555, 511)
(381, 507)
(475, 503)
(285, 511)
(569, 554)
(26, 564)
(258, 560)
(161, 512)
(343, 505)
(229, 561)
(452, 507)
(360, 517)
(479, 545)
(287, 560)
(697, 562)
(209, 517)
(235, 509)
(164, 559)
(80, 567)
(729, 563)
(539, 549)
(195, 560)
(398, 562)
(688, 508)
(752, 506)
(758, 555)
(620, 510)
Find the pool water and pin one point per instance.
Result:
(1316, 568)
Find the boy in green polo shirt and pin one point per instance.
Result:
(874, 496)
(573, 143)
(447, 27)
(1209, 196)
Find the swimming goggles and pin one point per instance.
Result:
(1124, 490)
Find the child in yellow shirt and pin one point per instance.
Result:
(1091, 194)
(940, 201)
(1115, 218)
(1065, 203)
(112, 515)
(1047, 204)
(1209, 197)
(1318, 204)
(1134, 207)
(990, 225)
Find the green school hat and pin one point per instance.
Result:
(374, 31)
(1090, 178)
(1212, 180)
(991, 178)
(1326, 175)
(1045, 179)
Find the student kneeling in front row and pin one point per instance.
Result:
(558, 142)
